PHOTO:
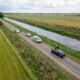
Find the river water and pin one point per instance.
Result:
(67, 41)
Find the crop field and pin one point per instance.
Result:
(68, 25)
(10, 67)
(73, 21)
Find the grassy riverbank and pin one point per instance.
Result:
(65, 25)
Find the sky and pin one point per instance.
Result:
(40, 6)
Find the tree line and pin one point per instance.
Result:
(1, 15)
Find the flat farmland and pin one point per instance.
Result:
(10, 67)
(68, 25)
(68, 21)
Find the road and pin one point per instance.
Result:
(66, 63)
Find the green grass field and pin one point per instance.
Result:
(68, 25)
(10, 67)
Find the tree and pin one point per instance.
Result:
(1, 15)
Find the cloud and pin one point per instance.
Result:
(40, 6)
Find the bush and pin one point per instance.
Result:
(0, 23)
(1, 15)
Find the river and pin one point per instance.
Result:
(67, 41)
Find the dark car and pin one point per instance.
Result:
(59, 53)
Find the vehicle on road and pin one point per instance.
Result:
(28, 34)
(37, 39)
(17, 31)
(58, 52)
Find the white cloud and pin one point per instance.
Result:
(55, 3)
(49, 6)
(73, 2)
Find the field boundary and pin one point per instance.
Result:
(18, 56)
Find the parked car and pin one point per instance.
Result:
(58, 52)
(28, 34)
(17, 31)
(37, 39)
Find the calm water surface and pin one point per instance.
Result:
(67, 41)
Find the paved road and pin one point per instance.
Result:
(66, 63)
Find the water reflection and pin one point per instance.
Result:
(69, 42)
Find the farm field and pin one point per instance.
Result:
(10, 66)
(63, 24)
(50, 19)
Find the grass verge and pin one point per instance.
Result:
(25, 68)
(10, 66)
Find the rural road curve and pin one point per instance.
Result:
(66, 63)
